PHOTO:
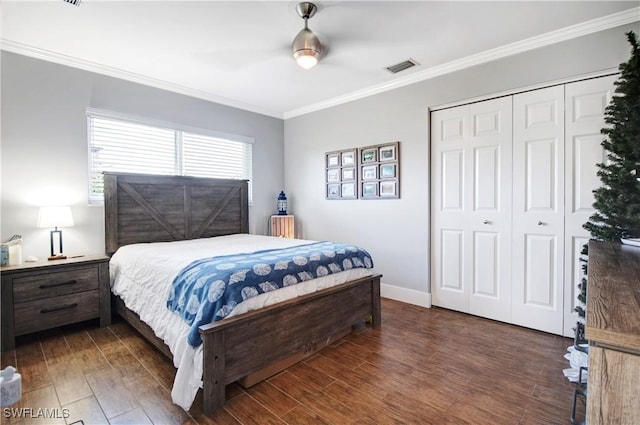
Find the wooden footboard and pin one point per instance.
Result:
(274, 337)
(242, 345)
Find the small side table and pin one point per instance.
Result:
(48, 294)
(282, 226)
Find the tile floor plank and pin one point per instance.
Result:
(249, 412)
(132, 417)
(118, 356)
(37, 407)
(88, 356)
(32, 365)
(87, 410)
(111, 392)
(303, 416)
(155, 400)
(275, 400)
(221, 417)
(153, 360)
(68, 378)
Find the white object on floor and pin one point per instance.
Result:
(10, 386)
(577, 359)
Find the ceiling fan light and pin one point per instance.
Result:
(306, 47)
(306, 58)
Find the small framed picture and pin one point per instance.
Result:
(333, 160)
(333, 191)
(387, 171)
(348, 190)
(348, 158)
(369, 155)
(333, 175)
(388, 189)
(387, 153)
(369, 190)
(348, 174)
(369, 172)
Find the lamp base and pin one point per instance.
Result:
(57, 257)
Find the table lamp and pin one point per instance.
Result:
(55, 217)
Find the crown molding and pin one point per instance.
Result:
(49, 56)
(542, 85)
(568, 33)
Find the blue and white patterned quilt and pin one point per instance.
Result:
(208, 289)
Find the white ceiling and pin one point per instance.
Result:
(238, 52)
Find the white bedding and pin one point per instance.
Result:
(141, 274)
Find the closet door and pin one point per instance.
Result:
(584, 118)
(450, 215)
(538, 213)
(471, 160)
(489, 195)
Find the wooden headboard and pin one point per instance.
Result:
(151, 208)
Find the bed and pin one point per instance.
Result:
(248, 347)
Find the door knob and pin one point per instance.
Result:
(541, 223)
(485, 222)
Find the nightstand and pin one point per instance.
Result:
(282, 226)
(48, 294)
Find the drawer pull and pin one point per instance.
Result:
(53, 285)
(62, 307)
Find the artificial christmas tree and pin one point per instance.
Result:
(617, 202)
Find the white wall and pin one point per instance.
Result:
(396, 232)
(44, 146)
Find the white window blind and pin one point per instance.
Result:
(125, 146)
(205, 156)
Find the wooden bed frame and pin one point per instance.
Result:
(250, 346)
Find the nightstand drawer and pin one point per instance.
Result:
(53, 284)
(44, 314)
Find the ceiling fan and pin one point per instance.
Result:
(306, 47)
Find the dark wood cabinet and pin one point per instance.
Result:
(47, 294)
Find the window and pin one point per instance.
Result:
(132, 146)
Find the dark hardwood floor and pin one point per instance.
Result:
(424, 366)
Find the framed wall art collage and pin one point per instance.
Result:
(370, 172)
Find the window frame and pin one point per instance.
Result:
(178, 131)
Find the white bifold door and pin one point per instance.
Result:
(538, 209)
(512, 182)
(585, 104)
(472, 200)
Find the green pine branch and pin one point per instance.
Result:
(617, 201)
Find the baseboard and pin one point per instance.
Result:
(409, 296)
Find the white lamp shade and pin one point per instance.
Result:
(49, 217)
(307, 61)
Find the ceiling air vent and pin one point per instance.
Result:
(409, 63)
(73, 2)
